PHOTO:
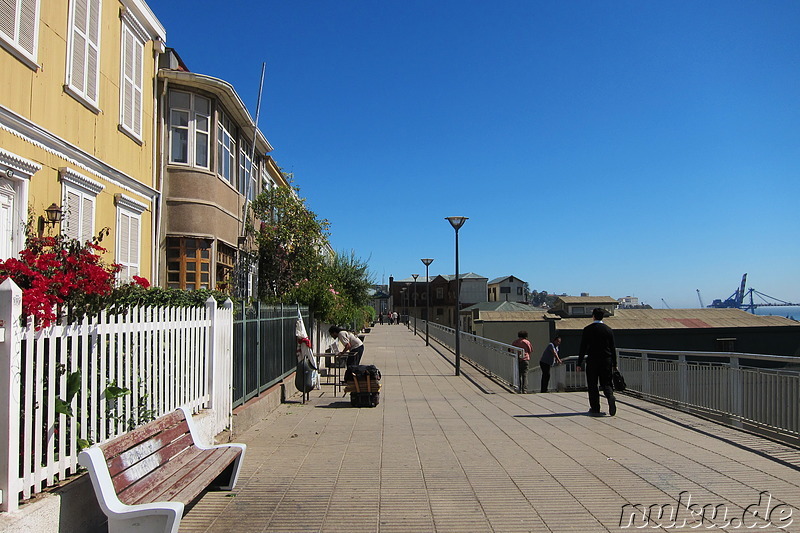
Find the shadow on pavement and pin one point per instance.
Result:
(552, 415)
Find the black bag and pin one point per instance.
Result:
(304, 376)
(618, 381)
(364, 399)
(354, 372)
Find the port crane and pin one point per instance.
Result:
(700, 298)
(739, 299)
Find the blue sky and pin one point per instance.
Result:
(610, 147)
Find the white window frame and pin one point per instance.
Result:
(15, 175)
(133, 38)
(79, 194)
(226, 148)
(194, 130)
(129, 251)
(22, 37)
(84, 45)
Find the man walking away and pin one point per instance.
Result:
(597, 345)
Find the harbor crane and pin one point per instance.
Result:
(700, 298)
(738, 299)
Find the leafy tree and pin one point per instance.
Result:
(290, 240)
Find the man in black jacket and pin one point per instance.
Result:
(597, 345)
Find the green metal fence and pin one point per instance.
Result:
(264, 347)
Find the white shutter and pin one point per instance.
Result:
(131, 97)
(138, 54)
(87, 218)
(72, 215)
(28, 19)
(19, 24)
(8, 18)
(134, 242)
(127, 78)
(84, 67)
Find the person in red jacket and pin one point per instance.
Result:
(524, 360)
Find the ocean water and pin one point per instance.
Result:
(789, 312)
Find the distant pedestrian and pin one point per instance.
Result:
(380, 318)
(351, 344)
(395, 317)
(523, 360)
(549, 359)
(597, 345)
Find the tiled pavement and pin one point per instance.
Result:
(444, 453)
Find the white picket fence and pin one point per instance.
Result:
(127, 369)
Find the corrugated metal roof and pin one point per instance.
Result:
(512, 316)
(679, 319)
(502, 306)
(500, 280)
(588, 300)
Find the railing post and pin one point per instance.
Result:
(645, 374)
(10, 361)
(735, 391)
(683, 379)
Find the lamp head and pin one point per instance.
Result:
(54, 214)
(415, 276)
(457, 222)
(426, 261)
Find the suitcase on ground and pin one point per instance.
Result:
(364, 399)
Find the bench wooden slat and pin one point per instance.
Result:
(135, 437)
(139, 471)
(194, 480)
(138, 492)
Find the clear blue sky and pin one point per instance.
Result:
(611, 147)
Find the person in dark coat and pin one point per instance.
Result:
(597, 346)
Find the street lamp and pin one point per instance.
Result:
(414, 303)
(457, 222)
(427, 263)
(408, 304)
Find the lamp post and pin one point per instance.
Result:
(402, 304)
(414, 303)
(457, 222)
(408, 304)
(427, 263)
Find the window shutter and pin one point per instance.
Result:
(124, 238)
(133, 254)
(132, 53)
(87, 219)
(8, 18)
(72, 227)
(78, 64)
(27, 26)
(84, 69)
(93, 52)
(127, 79)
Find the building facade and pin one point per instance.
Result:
(507, 289)
(214, 162)
(77, 124)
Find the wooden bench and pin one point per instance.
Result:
(144, 478)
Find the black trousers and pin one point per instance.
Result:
(545, 376)
(599, 371)
(355, 356)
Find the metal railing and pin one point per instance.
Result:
(497, 359)
(752, 391)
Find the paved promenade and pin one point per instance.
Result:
(461, 454)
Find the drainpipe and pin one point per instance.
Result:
(158, 166)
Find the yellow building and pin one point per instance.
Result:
(77, 123)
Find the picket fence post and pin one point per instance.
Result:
(10, 375)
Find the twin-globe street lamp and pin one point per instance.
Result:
(457, 222)
(414, 303)
(427, 262)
